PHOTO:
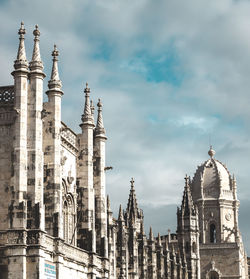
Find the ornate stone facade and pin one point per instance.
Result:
(55, 218)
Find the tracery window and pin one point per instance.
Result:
(68, 215)
(212, 233)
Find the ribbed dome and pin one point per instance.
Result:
(212, 180)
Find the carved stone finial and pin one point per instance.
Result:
(211, 152)
(36, 32)
(87, 117)
(132, 182)
(22, 31)
(36, 62)
(55, 52)
(100, 131)
(21, 61)
(87, 89)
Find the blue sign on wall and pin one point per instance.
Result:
(49, 270)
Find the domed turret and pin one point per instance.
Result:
(213, 191)
(212, 180)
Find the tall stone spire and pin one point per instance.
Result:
(87, 117)
(151, 235)
(36, 62)
(120, 215)
(187, 206)
(55, 82)
(21, 61)
(159, 240)
(100, 131)
(132, 211)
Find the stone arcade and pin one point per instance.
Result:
(55, 218)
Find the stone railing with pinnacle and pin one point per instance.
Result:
(7, 95)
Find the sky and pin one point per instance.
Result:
(173, 76)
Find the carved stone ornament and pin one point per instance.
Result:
(228, 216)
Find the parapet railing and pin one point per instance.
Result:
(7, 94)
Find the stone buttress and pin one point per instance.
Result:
(35, 139)
(17, 209)
(85, 186)
(100, 184)
(52, 153)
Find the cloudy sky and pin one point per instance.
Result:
(173, 76)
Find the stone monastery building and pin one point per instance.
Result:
(55, 218)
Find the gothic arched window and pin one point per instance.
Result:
(213, 275)
(212, 233)
(68, 218)
(68, 215)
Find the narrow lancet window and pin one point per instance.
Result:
(212, 233)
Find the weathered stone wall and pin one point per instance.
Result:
(52, 166)
(223, 258)
(6, 167)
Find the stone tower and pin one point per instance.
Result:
(221, 248)
(188, 232)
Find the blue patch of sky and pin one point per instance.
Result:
(166, 67)
(103, 51)
(163, 66)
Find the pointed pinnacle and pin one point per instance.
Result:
(159, 239)
(187, 206)
(100, 131)
(55, 82)
(151, 235)
(87, 117)
(36, 63)
(21, 60)
(120, 217)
